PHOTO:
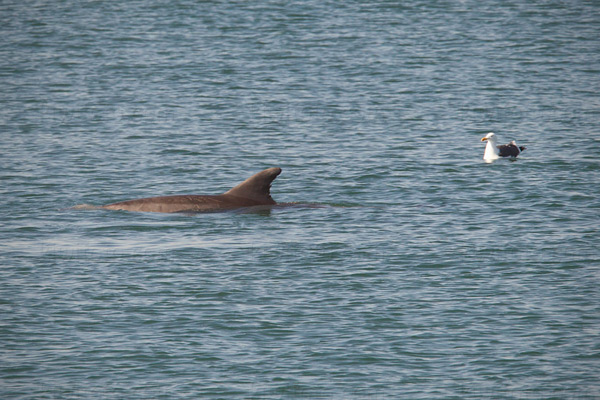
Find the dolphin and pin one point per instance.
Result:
(254, 191)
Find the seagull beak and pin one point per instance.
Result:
(483, 139)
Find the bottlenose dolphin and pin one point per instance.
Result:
(254, 191)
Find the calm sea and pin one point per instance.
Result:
(426, 273)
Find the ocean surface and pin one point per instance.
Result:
(421, 273)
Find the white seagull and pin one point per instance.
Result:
(493, 151)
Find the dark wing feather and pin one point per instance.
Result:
(508, 150)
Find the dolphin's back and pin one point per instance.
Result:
(254, 191)
(170, 204)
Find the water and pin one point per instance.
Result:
(427, 274)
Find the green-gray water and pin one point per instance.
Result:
(429, 274)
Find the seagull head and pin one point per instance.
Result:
(489, 137)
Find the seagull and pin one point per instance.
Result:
(493, 151)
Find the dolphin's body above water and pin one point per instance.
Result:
(254, 191)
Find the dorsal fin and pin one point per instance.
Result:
(257, 187)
